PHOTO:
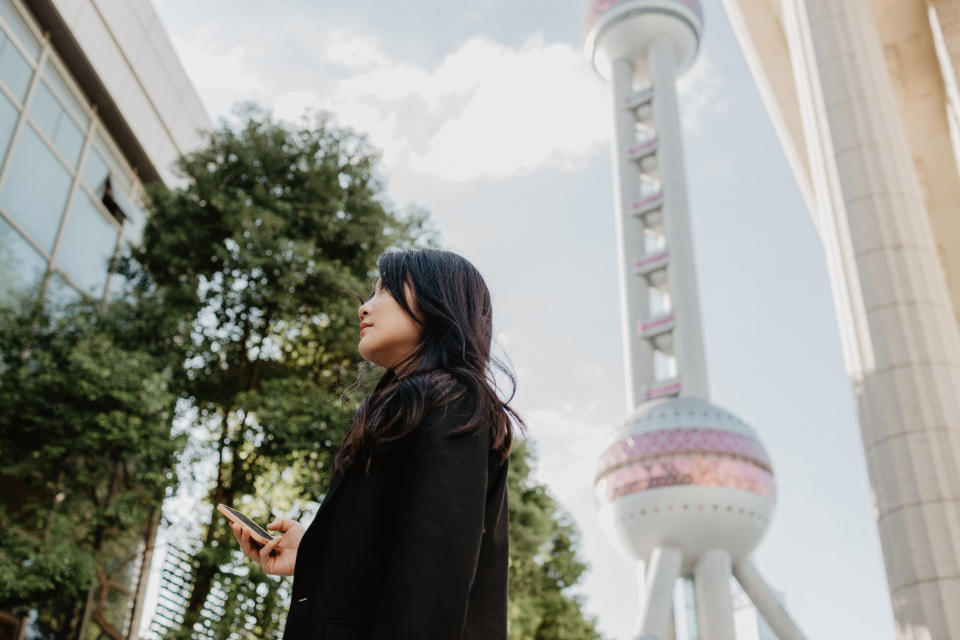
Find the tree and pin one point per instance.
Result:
(267, 247)
(85, 456)
(543, 562)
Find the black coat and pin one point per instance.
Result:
(416, 549)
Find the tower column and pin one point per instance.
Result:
(767, 604)
(681, 272)
(633, 294)
(711, 581)
(903, 335)
(656, 618)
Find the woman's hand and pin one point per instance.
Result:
(279, 556)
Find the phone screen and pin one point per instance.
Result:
(254, 527)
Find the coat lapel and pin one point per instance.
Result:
(334, 485)
(304, 572)
(322, 512)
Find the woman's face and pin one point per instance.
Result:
(387, 332)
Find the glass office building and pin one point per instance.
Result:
(94, 103)
(69, 190)
(60, 168)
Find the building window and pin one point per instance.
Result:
(14, 68)
(133, 218)
(87, 245)
(8, 121)
(66, 95)
(53, 120)
(95, 172)
(21, 266)
(110, 186)
(15, 23)
(58, 292)
(119, 176)
(35, 189)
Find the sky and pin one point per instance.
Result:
(491, 118)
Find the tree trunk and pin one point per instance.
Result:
(205, 574)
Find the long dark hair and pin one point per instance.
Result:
(452, 357)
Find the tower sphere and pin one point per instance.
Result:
(686, 473)
(615, 29)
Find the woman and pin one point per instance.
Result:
(411, 540)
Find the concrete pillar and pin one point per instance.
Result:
(766, 602)
(671, 634)
(711, 581)
(944, 17)
(902, 334)
(656, 617)
(681, 271)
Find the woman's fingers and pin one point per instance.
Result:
(238, 534)
(238, 531)
(267, 555)
(246, 545)
(281, 524)
(267, 549)
(272, 557)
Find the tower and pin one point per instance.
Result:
(687, 488)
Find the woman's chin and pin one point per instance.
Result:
(366, 353)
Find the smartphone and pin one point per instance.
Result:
(258, 535)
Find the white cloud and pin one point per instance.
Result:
(353, 51)
(486, 110)
(222, 75)
(701, 91)
(568, 444)
(292, 105)
(529, 107)
(212, 68)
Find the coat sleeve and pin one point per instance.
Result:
(439, 527)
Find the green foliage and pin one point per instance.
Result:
(543, 562)
(85, 451)
(267, 248)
